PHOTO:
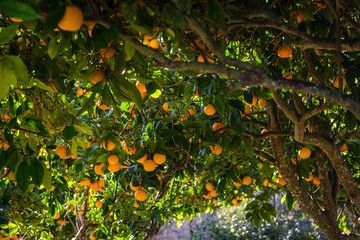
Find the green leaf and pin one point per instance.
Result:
(36, 171)
(129, 50)
(89, 103)
(290, 201)
(69, 132)
(19, 68)
(249, 148)
(23, 175)
(213, 10)
(46, 179)
(19, 10)
(350, 121)
(130, 89)
(115, 87)
(7, 76)
(36, 82)
(53, 48)
(235, 122)
(219, 105)
(35, 123)
(84, 128)
(248, 95)
(8, 33)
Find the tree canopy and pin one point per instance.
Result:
(117, 116)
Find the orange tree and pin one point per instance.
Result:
(117, 116)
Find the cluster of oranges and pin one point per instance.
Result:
(211, 191)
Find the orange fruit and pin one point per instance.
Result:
(192, 112)
(127, 149)
(143, 95)
(61, 150)
(305, 152)
(281, 181)
(159, 158)
(213, 193)
(147, 39)
(108, 52)
(86, 182)
(101, 182)
(208, 196)
(247, 111)
(113, 159)
(154, 44)
(97, 169)
(247, 180)
(199, 44)
(79, 91)
(135, 188)
(11, 176)
(262, 103)
(310, 178)
(266, 183)
(57, 216)
(254, 101)
(300, 17)
(293, 161)
(234, 201)
(72, 19)
(336, 82)
(165, 106)
(316, 180)
(236, 183)
(143, 159)
(217, 149)
(114, 168)
(98, 204)
(51, 84)
(136, 205)
(287, 75)
(343, 148)
(140, 86)
(217, 126)
(284, 52)
(140, 195)
(90, 26)
(108, 145)
(95, 187)
(209, 186)
(97, 75)
(92, 237)
(103, 106)
(149, 165)
(210, 110)
(200, 59)
(14, 19)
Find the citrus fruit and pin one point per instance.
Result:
(97, 75)
(159, 158)
(147, 39)
(305, 153)
(98, 204)
(113, 159)
(90, 26)
(92, 237)
(142, 159)
(310, 178)
(217, 149)
(136, 205)
(316, 180)
(262, 102)
(165, 106)
(254, 101)
(266, 183)
(72, 19)
(208, 196)
(343, 148)
(140, 86)
(140, 195)
(192, 112)
(209, 186)
(108, 52)
(217, 126)
(101, 182)
(95, 187)
(287, 75)
(200, 59)
(281, 181)
(247, 111)
(79, 91)
(61, 150)
(11, 176)
(149, 165)
(108, 145)
(86, 182)
(247, 180)
(236, 183)
(114, 168)
(210, 110)
(284, 52)
(135, 188)
(97, 169)
(213, 193)
(154, 44)
(14, 19)
(103, 106)
(336, 82)
(57, 215)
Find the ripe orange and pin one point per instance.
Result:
(284, 52)
(98, 204)
(95, 187)
(234, 201)
(140, 195)
(293, 161)
(143, 95)
(113, 159)
(108, 52)
(254, 101)
(127, 149)
(281, 181)
(72, 19)
(57, 215)
(287, 75)
(217, 149)
(200, 59)
(247, 180)
(237, 184)
(108, 145)
(165, 106)
(140, 86)
(90, 26)
(136, 205)
(149, 165)
(336, 82)
(343, 148)
(79, 92)
(103, 106)
(208, 196)
(316, 180)
(154, 44)
(210, 110)
(305, 152)
(213, 193)
(192, 112)
(135, 188)
(310, 178)
(147, 39)
(262, 103)
(266, 183)
(114, 168)
(247, 111)
(92, 237)
(86, 182)
(61, 150)
(97, 75)
(209, 186)
(159, 158)
(101, 182)
(217, 126)
(14, 19)
(143, 159)
(97, 169)
(11, 176)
